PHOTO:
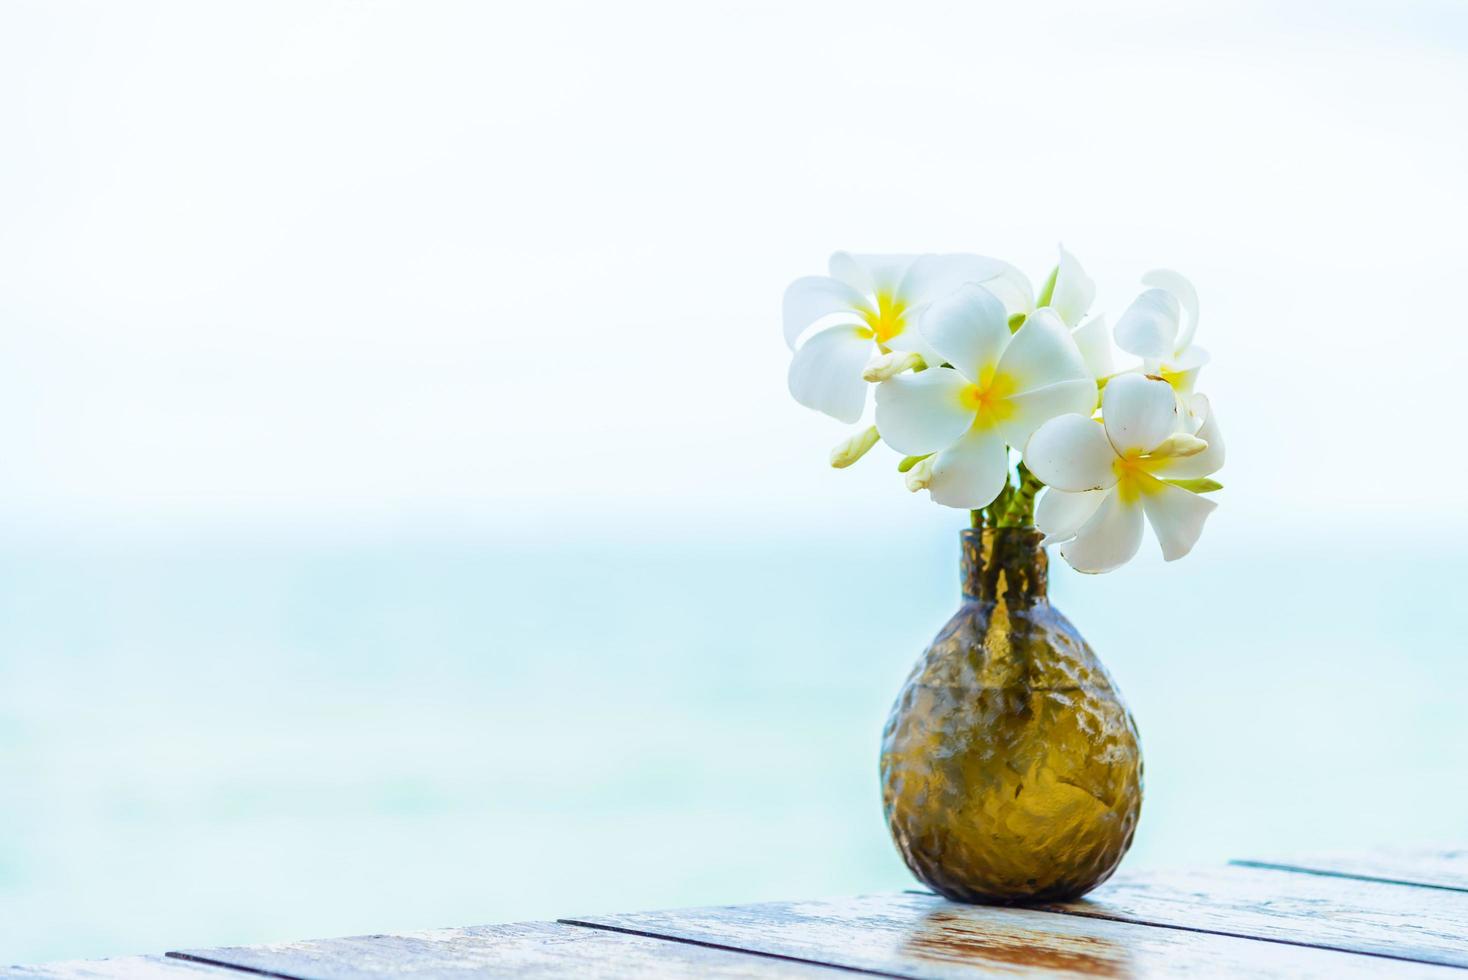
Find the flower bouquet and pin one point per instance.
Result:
(1011, 768)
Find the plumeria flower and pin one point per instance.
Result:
(1158, 327)
(872, 303)
(1000, 388)
(1103, 477)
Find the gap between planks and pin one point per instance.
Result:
(191, 958)
(865, 971)
(1136, 921)
(1353, 876)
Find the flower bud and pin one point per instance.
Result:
(843, 454)
(891, 364)
(1180, 444)
(921, 475)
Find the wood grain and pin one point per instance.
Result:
(924, 936)
(1427, 867)
(120, 968)
(1428, 925)
(530, 949)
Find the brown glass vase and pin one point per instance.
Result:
(1011, 770)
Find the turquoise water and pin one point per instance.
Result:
(231, 743)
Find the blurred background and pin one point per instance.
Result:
(403, 521)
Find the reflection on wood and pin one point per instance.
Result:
(924, 936)
(953, 937)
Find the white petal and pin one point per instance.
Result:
(971, 473)
(1178, 284)
(1176, 516)
(1148, 328)
(1109, 539)
(826, 373)
(1139, 411)
(921, 413)
(1074, 290)
(1059, 515)
(969, 328)
(931, 277)
(1190, 358)
(1042, 353)
(1072, 453)
(1013, 289)
(870, 274)
(1029, 411)
(1187, 420)
(1093, 340)
(810, 298)
(1210, 460)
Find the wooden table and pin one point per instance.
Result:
(1399, 913)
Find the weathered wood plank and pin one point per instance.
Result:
(923, 936)
(1428, 867)
(120, 968)
(529, 949)
(1428, 925)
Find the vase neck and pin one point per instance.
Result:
(1004, 564)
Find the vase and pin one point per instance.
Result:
(1011, 769)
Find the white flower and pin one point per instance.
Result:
(1000, 388)
(1159, 326)
(1104, 476)
(871, 304)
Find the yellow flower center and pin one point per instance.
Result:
(989, 398)
(1165, 372)
(1134, 475)
(887, 320)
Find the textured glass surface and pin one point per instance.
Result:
(1011, 769)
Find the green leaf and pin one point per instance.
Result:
(908, 462)
(1201, 485)
(1047, 292)
(1016, 321)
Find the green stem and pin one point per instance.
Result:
(1020, 511)
(994, 513)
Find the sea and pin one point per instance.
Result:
(248, 739)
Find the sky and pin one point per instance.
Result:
(347, 267)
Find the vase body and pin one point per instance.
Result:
(1011, 769)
